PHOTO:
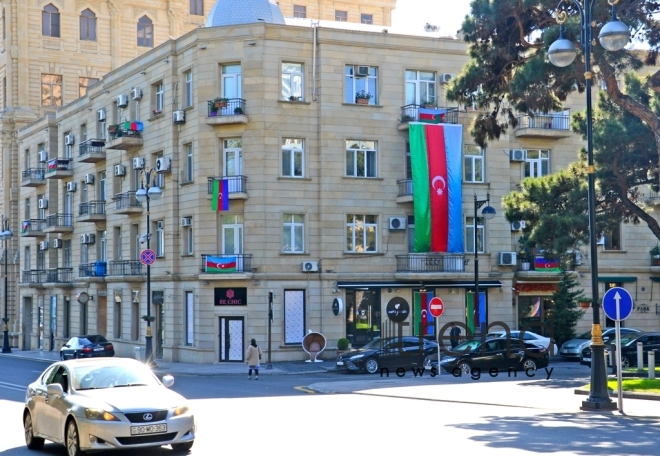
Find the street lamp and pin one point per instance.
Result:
(488, 213)
(148, 191)
(613, 37)
(5, 235)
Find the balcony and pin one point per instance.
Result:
(233, 112)
(123, 137)
(97, 269)
(34, 276)
(411, 113)
(59, 275)
(127, 203)
(543, 126)
(33, 177)
(125, 268)
(59, 223)
(33, 228)
(235, 184)
(92, 151)
(59, 168)
(431, 262)
(539, 265)
(652, 198)
(218, 263)
(405, 193)
(91, 211)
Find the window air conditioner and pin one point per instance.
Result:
(397, 223)
(122, 101)
(120, 170)
(310, 266)
(517, 226)
(43, 245)
(88, 238)
(507, 259)
(100, 115)
(186, 221)
(89, 178)
(517, 155)
(446, 77)
(361, 71)
(163, 165)
(138, 163)
(83, 239)
(70, 186)
(69, 139)
(178, 117)
(43, 156)
(136, 93)
(57, 243)
(43, 203)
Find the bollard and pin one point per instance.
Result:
(652, 365)
(640, 356)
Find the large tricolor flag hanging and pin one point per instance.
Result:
(435, 155)
(220, 199)
(434, 116)
(220, 264)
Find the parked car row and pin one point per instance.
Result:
(572, 349)
(650, 341)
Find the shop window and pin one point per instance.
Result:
(363, 316)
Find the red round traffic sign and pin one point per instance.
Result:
(436, 306)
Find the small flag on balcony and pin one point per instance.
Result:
(220, 199)
(217, 265)
(52, 166)
(544, 265)
(434, 116)
(25, 226)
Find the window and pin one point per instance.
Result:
(84, 84)
(469, 234)
(197, 7)
(51, 90)
(232, 81)
(537, 163)
(293, 157)
(189, 89)
(27, 208)
(84, 253)
(293, 234)
(159, 181)
(88, 25)
(66, 252)
(103, 246)
(299, 11)
(190, 318)
(135, 245)
(50, 21)
(411, 233)
(294, 316)
(366, 18)
(83, 318)
(359, 81)
(135, 321)
(612, 239)
(232, 235)
(292, 81)
(102, 188)
(361, 159)
(189, 162)
(67, 318)
(41, 260)
(83, 133)
(473, 163)
(26, 260)
(117, 320)
(118, 246)
(361, 233)
(41, 211)
(160, 238)
(188, 239)
(420, 87)
(67, 147)
(341, 16)
(145, 32)
(159, 98)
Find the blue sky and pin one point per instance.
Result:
(448, 14)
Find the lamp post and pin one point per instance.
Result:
(613, 37)
(5, 235)
(488, 213)
(148, 191)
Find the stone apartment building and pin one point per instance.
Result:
(320, 198)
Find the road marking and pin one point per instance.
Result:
(12, 386)
(304, 389)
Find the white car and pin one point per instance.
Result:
(529, 336)
(105, 403)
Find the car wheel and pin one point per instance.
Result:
(625, 362)
(464, 368)
(72, 440)
(528, 364)
(182, 446)
(32, 442)
(371, 365)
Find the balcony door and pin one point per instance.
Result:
(233, 162)
(232, 238)
(420, 87)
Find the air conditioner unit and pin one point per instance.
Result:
(87, 238)
(517, 226)
(120, 170)
(69, 139)
(163, 165)
(360, 71)
(178, 117)
(160, 225)
(186, 221)
(89, 178)
(43, 156)
(43, 245)
(517, 155)
(43, 203)
(57, 243)
(397, 223)
(446, 77)
(83, 239)
(136, 93)
(138, 163)
(100, 115)
(122, 101)
(71, 186)
(310, 266)
(507, 259)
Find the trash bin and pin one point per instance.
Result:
(100, 268)
(139, 353)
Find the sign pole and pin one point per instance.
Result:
(617, 305)
(619, 380)
(437, 330)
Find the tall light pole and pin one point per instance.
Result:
(488, 213)
(5, 235)
(148, 191)
(613, 37)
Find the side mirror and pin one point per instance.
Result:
(168, 381)
(55, 389)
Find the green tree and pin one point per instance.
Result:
(566, 312)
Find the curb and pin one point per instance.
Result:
(626, 395)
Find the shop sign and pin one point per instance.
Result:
(397, 309)
(230, 297)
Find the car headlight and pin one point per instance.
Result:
(361, 355)
(98, 414)
(181, 410)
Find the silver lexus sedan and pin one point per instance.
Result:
(105, 403)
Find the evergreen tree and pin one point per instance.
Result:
(566, 312)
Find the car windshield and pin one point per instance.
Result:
(114, 376)
(468, 346)
(375, 343)
(93, 339)
(586, 335)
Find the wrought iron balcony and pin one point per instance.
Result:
(235, 184)
(92, 151)
(227, 112)
(33, 228)
(124, 267)
(405, 187)
(91, 211)
(33, 276)
(430, 262)
(59, 168)
(59, 275)
(411, 113)
(127, 203)
(219, 263)
(97, 269)
(543, 126)
(33, 177)
(59, 223)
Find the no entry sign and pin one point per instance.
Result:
(436, 306)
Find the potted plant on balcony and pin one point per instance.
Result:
(213, 111)
(362, 97)
(220, 102)
(342, 345)
(238, 111)
(524, 254)
(112, 129)
(655, 255)
(156, 112)
(428, 104)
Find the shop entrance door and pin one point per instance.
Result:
(230, 337)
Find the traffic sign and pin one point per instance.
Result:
(617, 303)
(148, 257)
(436, 306)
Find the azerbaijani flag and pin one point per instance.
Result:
(220, 199)
(52, 166)
(435, 155)
(544, 265)
(434, 116)
(220, 264)
(424, 321)
(25, 226)
(475, 316)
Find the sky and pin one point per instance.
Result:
(415, 13)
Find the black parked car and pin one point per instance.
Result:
(651, 341)
(492, 353)
(390, 353)
(90, 346)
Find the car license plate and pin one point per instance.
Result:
(98, 349)
(586, 359)
(148, 429)
(340, 363)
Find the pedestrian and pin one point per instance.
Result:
(252, 359)
(454, 335)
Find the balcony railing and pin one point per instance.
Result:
(235, 184)
(97, 269)
(32, 225)
(219, 263)
(410, 113)
(34, 174)
(539, 263)
(34, 276)
(92, 150)
(126, 200)
(92, 208)
(125, 130)
(545, 121)
(59, 275)
(430, 262)
(405, 187)
(124, 267)
(59, 164)
(59, 220)
(232, 107)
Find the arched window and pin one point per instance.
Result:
(145, 32)
(50, 21)
(88, 25)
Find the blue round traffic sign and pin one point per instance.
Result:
(148, 257)
(617, 297)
